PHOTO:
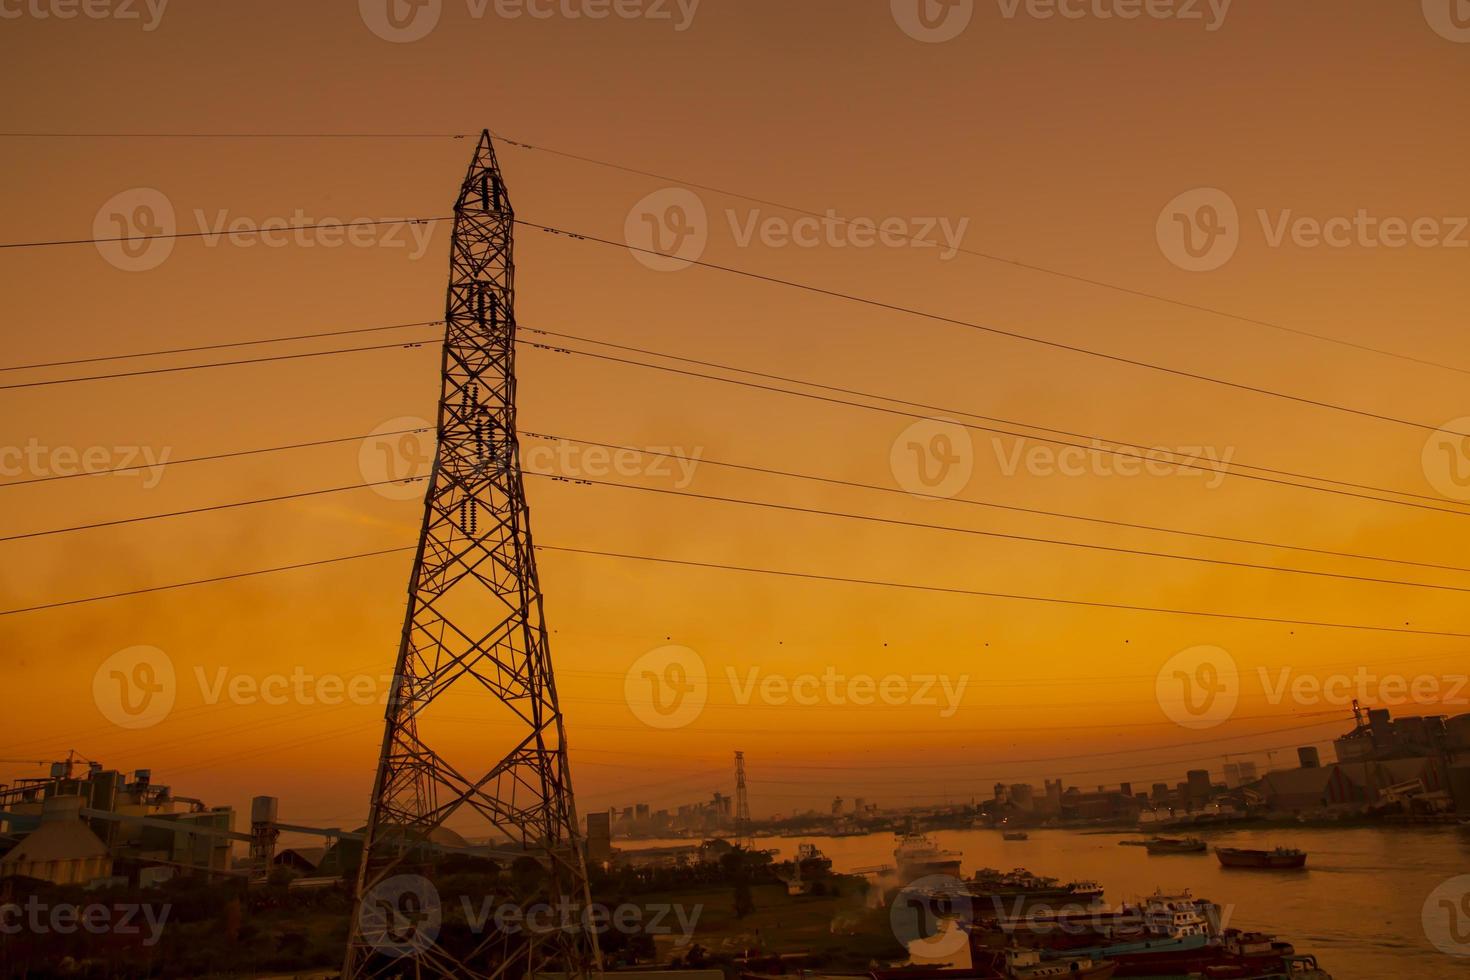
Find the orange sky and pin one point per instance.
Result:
(1059, 140)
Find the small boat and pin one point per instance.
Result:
(1175, 845)
(1015, 835)
(1280, 859)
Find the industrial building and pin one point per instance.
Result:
(75, 827)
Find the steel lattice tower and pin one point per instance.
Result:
(474, 628)
(742, 805)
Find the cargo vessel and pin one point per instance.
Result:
(1279, 859)
(1175, 845)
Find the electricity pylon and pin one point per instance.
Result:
(742, 805)
(474, 629)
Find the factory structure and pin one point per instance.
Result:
(86, 824)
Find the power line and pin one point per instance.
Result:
(978, 593)
(244, 136)
(561, 477)
(1147, 452)
(997, 331)
(211, 508)
(1004, 260)
(1028, 266)
(1005, 432)
(203, 581)
(213, 457)
(1029, 539)
(813, 576)
(1223, 469)
(209, 347)
(782, 766)
(764, 470)
(404, 345)
(706, 461)
(334, 225)
(807, 287)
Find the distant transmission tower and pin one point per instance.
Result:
(475, 630)
(742, 805)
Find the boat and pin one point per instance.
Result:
(1161, 924)
(917, 856)
(1158, 921)
(1012, 964)
(1027, 964)
(1175, 845)
(812, 861)
(1020, 888)
(1015, 835)
(1279, 859)
(1235, 955)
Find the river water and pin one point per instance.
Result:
(1359, 906)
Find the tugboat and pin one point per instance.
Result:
(1015, 835)
(1280, 859)
(917, 856)
(1175, 845)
